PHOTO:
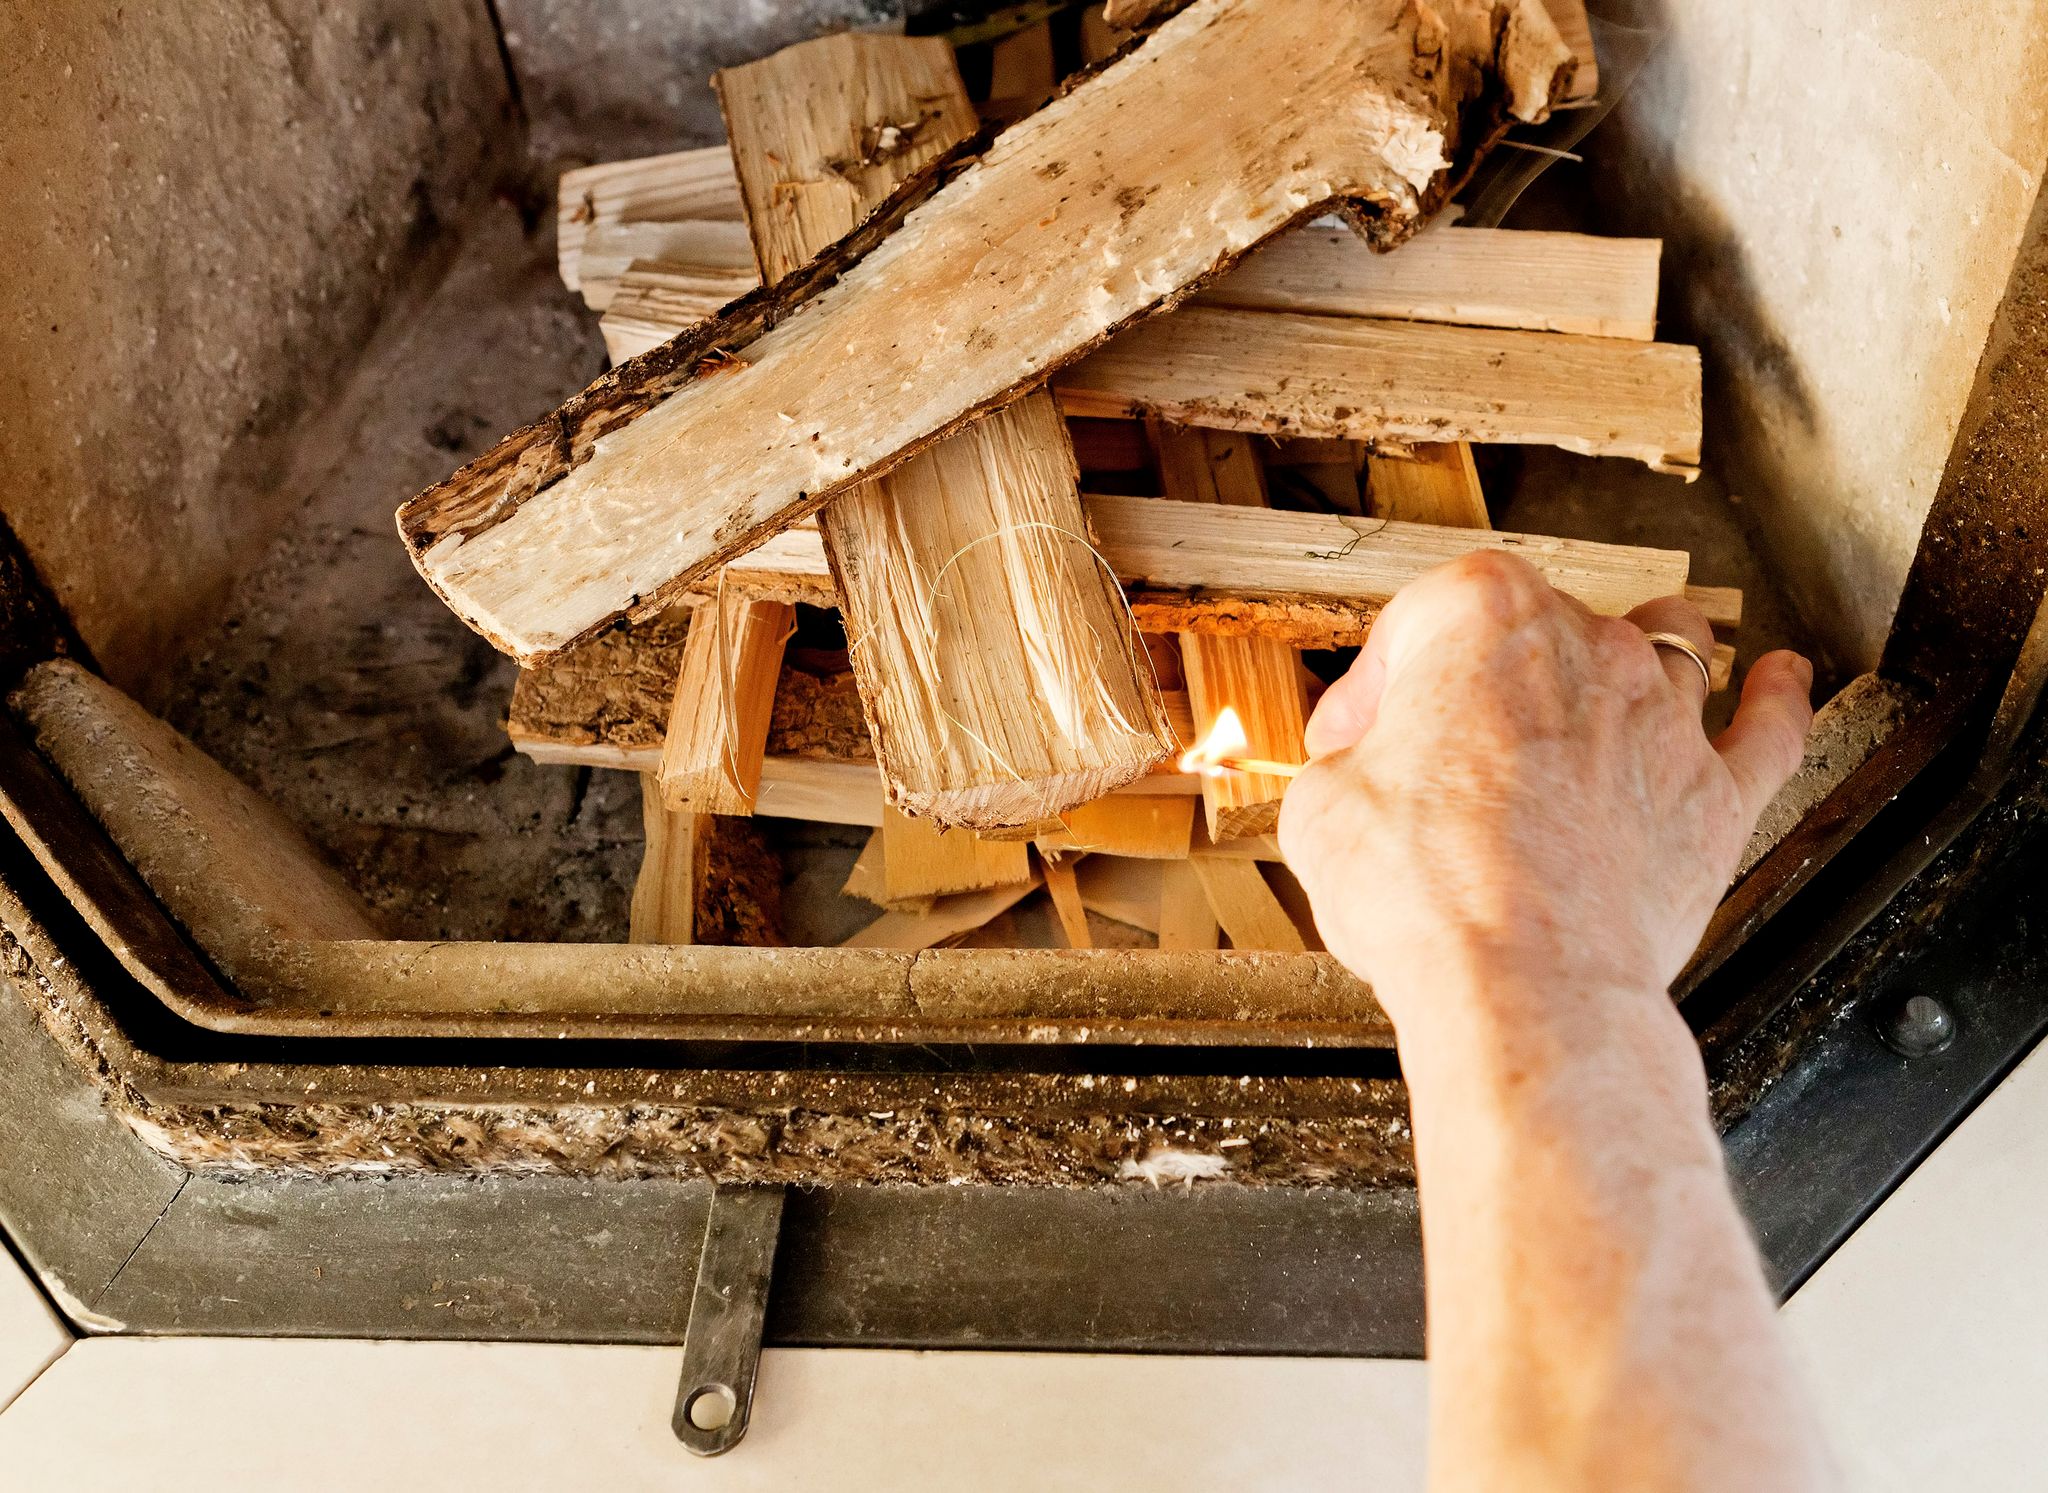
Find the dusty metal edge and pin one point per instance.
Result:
(208, 1101)
(429, 990)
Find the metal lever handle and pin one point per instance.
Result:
(722, 1344)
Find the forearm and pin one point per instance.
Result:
(1598, 1317)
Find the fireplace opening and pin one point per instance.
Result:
(369, 896)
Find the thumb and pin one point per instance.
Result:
(1349, 707)
(1763, 745)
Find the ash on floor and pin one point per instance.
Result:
(340, 687)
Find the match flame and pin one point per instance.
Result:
(1224, 739)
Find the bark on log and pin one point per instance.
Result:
(1011, 267)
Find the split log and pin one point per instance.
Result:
(921, 860)
(1067, 906)
(994, 658)
(664, 906)
(865, 881)
(1284, 374)
(1258, 677)
(949, 918)
(1433, 484)
(1148, 828)
(1722, 604)
(1513, 279)
(822, 792)
(1012, 267)
(1186, 920)
(1158, 545)
(690, 184)
(1569, 16)
(1124, 891)
(1309, 575)
(1245, 906)
(724, 698)
(705, 248)
(1510, 279)
(655, 299)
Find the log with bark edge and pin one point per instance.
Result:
(1009, 267)
(1315, 579)
(993, 655)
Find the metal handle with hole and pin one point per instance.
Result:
(722, 1344)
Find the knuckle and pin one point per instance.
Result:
(1626, 655)
(1497, 584)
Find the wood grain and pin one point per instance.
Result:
(1284, 374)
(724, 699)
(655, 299)
(1186, 920)
(948, 918)
(664, 906)
(1245, 906)
(994, 660)
(1155, 543)
(1147, 828)
(1336, 568)
(1432, 484)
(1257, 677)
(924, 319)
(921, 860)
(705, 249)
(689, 184)
(1514, 279)
(1066, 901)
(1517, 279)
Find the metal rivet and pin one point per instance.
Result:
(1917, 1027)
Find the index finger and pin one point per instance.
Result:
(1486, 588)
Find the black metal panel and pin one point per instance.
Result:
(77, 1189)
(532, 1259)
(1831, 1139)
(1214, 1270)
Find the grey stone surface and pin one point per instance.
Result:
(210, 207)
(340, 688)
(1841, 186)
(633, 77)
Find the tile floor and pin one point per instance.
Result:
(31, 1333)
(1926, 1339)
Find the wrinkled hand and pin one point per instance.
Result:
(1508, 792)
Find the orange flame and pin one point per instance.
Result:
(1224, 739)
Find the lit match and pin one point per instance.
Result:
(1217, 752)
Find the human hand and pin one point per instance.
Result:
(1507, 793)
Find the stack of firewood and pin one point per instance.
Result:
(1085, 430)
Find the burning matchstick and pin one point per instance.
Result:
(1216, 753)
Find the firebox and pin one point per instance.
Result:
(324, 1018)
